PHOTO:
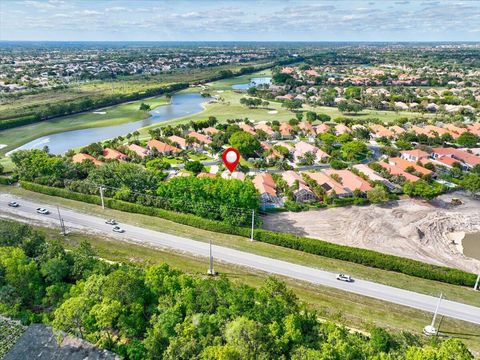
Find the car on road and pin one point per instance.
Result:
(118, 229)
(343, 277)
(111, 222)
(13, 204)
(43, 211)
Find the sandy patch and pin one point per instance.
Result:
(273, 112)
(220, 91)
(408, 228)
(3, 146)
(99, 112)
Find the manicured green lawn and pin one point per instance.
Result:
(114, 115)
(226, 84)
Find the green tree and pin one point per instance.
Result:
(354, 150)
(468, 139)
(246, 144)
(377, 195)
(422, 189)
(194, 166)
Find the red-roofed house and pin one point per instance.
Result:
(248, 128)
(210, 131)
(113, 154)
(162, 147)
(381, 131)
(328, 184)
(302, 147)
(268, 130)
(205, 174)
(342, 129)
(466, 159)
(139, 150)
(322, 128)
(286, 130)
(404, 164)
(455, 131)
(306, 127)
(397, 129)
(267, 189)
(398, 171)
(81, 157)
(414, 155)
(181, 142)
(349, 180)
(202, 139)
(303, 193)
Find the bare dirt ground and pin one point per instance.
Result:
(409, 228)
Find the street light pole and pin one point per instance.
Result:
(211, 271)
(101, 196)
(477, 282)
(253, 224)
(62, 224)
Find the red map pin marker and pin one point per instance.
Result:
(230, 158)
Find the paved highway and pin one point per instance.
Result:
(74, 219)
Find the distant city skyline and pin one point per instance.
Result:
(263, 20)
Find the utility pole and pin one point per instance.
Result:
(62, 224)
(477, 283)
(101, 196)
(211, 271)
(430, 329)
(253, 224)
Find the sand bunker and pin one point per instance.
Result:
(273, 112)
(100, 112)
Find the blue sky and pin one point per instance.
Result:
(394, 20)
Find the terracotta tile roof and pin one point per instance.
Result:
(322, 128)
(396, 170)
(264, 183)
(404, 164)
(248, 128)
(368, 172)
(205, 174)
(109, 153)
(178, 140)
(307, 127)
(350, 180)
(81, 157)
(419, 154)
(203, 139)
(210, 130)
(464, 156)
(139, 150)
(381, 130)
(265, 128)
(285, 129)
(327, 183)
(162, 147)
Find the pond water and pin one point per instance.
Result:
(180, 105)
(253, 82)
(471, 245)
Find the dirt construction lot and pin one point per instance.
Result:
(426, 231)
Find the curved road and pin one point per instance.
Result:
(74, 219)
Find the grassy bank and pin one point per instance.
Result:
(399, 280)
(114, 115)
(354, 311)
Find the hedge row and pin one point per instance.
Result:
(20, 121)
(308, 245)
(5, 180)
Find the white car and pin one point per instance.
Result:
(43, 211)
(13, 204)
(111, 222)
(118, 229)
(343, 277)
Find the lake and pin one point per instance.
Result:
(471, 245)
(180, 105)
(253, 82)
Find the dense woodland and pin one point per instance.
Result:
(161, 313)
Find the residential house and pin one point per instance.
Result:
(81, 157)
(205, 174)
(303, 192)
(349, 180)
(397, 130)
(455, 131)
(405, 164)
(210, 131)
(342, 129)
(266, 128)
(201, 138)
(236, 175)
(267, 189)
(414, 155)
(139, 150)
(248, 128)
(162, 147)
(286, 130)
(302, 147)
(331, 186)
(398, 171)
(113, 154)
(467, 160)
(372, 175)
(307, 128)
(179, 141)
(380, 131)
(321, 128)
